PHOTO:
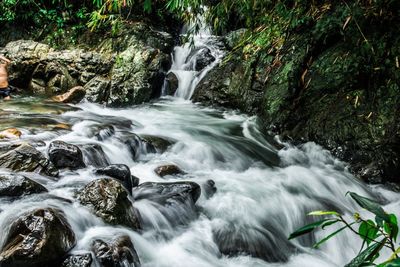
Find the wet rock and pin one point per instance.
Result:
(10, 133)
(164, 192)
(120, 252)
(78, 260)
(74, 95)
(161, 144)
(16, 185)
(98, 89)
(176, 201)
(172, 83)
(169, 169)
(109, 200)
(38, 238)
(27, 158)
(93, 155)
(121, 172)
(209, 188)
(64, 155)
(234, 239)
(204, 58)
(138, 145)
(105, 132)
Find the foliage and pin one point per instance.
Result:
(376, 235)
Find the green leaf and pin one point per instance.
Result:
(329, 223)
(366, 255)
(307, 228)
(368, 231)
(316, 245)
(392, 263)
(322, 213)
(371, 206)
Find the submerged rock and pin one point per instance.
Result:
(120, 252)
(161, 144)
(169, 169)
(64, 155)
(78, 260)
(38, 238)
(10, 133)
(27, 158)
(137, 145)
(209, 188)
(121, 172)
(16, 185)
(176, 201)
(93, 155)
(74, 95)
(109, 200)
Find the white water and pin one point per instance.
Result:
(262, 193)
(185, 59)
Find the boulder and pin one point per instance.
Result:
(119, 252)
(74, 95)
(109, 200)
(78, 260)
(38, 238)
(16, 185)
(169, 169)
(64, 155)
(172, 83)
(121, 172)
(26, 158)
(10, 133)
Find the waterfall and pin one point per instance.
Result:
(186, 57)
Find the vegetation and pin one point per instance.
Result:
(376, 235)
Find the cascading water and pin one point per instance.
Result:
(263, 188)
(185, 60)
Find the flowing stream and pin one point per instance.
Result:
(264, 188)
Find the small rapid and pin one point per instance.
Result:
(261, 188)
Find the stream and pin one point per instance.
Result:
(264, 188)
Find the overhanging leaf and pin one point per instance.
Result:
(307, 228)
(371, 206)
(322, 213)
(366, 255)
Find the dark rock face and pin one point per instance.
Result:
(27, 158)
(310, 91)
(176, 201)
(203, 59)
(121, 172)
(84, 260)
(16, 185)
(169, 169)
(117, 253)
(38, 238)
(64, 155)
(109, 200)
